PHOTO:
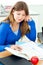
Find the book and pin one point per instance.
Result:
(29, 49)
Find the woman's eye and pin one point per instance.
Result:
(18, 14)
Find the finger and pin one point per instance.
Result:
(19, 47)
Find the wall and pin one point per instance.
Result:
(38, 18)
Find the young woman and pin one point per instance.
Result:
(16, 25)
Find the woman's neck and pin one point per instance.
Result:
(15, 26)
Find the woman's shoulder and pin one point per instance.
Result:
(4, 25)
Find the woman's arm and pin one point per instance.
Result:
(3, 35)
(2, 47)
(32, 34)
(7, 53)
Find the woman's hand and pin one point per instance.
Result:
(27, 18)
(16, 47)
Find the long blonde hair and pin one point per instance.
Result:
(18, 7)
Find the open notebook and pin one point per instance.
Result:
(29, 49)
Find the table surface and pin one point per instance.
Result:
(14, 60)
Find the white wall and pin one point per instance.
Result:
(38, 18)
(30, 2)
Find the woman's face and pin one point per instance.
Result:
(19, 16)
